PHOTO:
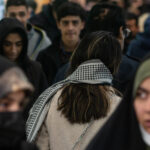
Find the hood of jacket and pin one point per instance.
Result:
(12, 79)
(9, 25)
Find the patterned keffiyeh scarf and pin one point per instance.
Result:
(90, 72)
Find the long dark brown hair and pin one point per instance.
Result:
(80, 103)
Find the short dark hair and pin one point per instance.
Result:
(80, 103)
(131, 16)
(57, 3)
(71, 9)
(32, 4)
(88, 1)
(106, 17)
(16, 3)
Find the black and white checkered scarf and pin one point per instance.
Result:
(90, 72)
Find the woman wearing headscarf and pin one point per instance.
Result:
(129, 126)
(15, 91)
(68, 114)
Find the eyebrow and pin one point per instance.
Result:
(15, 42)
(144, 90)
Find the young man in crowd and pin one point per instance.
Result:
(70, 20)
(46, 19)
(38, 40)
(132, 24)
(109, 17)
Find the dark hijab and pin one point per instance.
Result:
(122, 132)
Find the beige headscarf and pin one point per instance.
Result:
(143, 72)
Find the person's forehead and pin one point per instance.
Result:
(70, 18)
(131, 20)
(14, 8)
(13, 37)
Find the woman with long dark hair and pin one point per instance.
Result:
(68, 114)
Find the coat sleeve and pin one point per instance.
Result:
(48, 65)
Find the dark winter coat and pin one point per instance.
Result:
(125, 73)
(52, 59)
(140, 46)
(32, 69)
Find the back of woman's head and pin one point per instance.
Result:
(98, 45)
(80, 103)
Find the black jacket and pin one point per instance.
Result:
(52, 59)
(125, 73)
(31, 68)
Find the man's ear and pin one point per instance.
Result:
(120, 36)
(82, 25)
(58, 24)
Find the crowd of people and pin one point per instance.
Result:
(75, 76)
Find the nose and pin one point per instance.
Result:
(70, 26)
(15, 107)
(14, 49)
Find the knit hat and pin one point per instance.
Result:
(12, 79)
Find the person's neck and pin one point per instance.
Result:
(69, 46)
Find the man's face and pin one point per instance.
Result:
(131, 24)
(70, 27)
(19, 12)
(12, 46)
(14, 101)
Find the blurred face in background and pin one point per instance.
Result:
(132, 25)
(70, 27)
(12, 46)
(19, 12)
(142, 104)
(13, 102)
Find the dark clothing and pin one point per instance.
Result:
(140, 46)
(125, 73)
(46, 21)
(32, 69)
(37, 77)
(12, 132)
(52, 59)
(61, 74)
(5, 64)
(121, 131)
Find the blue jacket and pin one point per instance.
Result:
(140, 46)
